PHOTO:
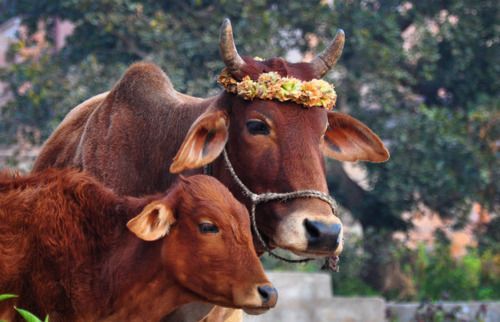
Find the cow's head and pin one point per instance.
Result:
(279, 147)
(206, 244)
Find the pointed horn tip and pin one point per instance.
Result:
(228, 49)
(339, 36)
(226, 23)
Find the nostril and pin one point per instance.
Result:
(263, 294)
(312, 229)
(322, 236)
(268, 294)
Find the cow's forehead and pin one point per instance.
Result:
(255, 67)
(209, 197)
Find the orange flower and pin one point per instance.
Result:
(271, 86)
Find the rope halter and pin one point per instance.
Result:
(272, 196)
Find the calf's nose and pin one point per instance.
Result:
(322, 236)
(268, 295)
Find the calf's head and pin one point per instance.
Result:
(277, 146)
(207, 244)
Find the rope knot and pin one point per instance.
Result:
(255, 198)
(272, 196)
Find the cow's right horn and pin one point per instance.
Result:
(228, 51)
(322, 63)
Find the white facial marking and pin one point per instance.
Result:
(291, 233)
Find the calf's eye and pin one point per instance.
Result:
(208, 228)
(257, 127)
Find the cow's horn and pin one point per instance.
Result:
(322, 63)
(228, 51)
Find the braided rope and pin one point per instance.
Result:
(271, 196)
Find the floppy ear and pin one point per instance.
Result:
(347, 139)
(204, 141)
(153, 222)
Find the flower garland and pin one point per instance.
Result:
(271, 86)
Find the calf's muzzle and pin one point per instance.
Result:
(268, 295)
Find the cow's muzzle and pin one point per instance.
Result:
(257, 199)
(322, 237)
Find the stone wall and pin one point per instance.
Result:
(307, 297)
(465, 311)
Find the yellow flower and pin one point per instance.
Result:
(247, 88)
(227, 81)
(271, 86)
(269, 78)
(311, 94)
(291, 87)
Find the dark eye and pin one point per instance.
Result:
(208, 228)
(256, 127)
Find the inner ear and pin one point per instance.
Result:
(153, 222)
(348, 139)
(204, 141)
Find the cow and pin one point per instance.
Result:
(75, 250)
(129, 136)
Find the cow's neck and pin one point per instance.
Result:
(134, 284)
(180, 118)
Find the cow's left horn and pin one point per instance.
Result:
(322, 63)
(228, 51)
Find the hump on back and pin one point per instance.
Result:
(275, 142)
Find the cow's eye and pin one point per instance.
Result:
(256, 127)
(208, 228)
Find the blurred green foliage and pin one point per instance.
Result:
(434, 100)
(422, 74)
(473, 277)
(422, 274)
(349, 280)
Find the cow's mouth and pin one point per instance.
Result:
(256, 311)
(299, 251)
(331, 261)
(314, 255)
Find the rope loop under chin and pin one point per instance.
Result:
(257, 199)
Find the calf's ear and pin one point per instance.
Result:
(348, 139)
(153, 222)
(204, 141)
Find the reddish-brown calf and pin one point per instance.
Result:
(66, 251)
(128, 136)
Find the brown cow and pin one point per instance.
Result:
(66, 251)
(129, 136)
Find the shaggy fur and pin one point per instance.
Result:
(66, 251)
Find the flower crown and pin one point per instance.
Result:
(271, 86)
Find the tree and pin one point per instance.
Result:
(422, 74)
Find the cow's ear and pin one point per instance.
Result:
(153, 222)
(347, 139)
(204, 141)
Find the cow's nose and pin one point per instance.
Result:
(268, 294)
(321, 236)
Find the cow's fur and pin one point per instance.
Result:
(65, 249)
(133, 133)
(129, 138)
